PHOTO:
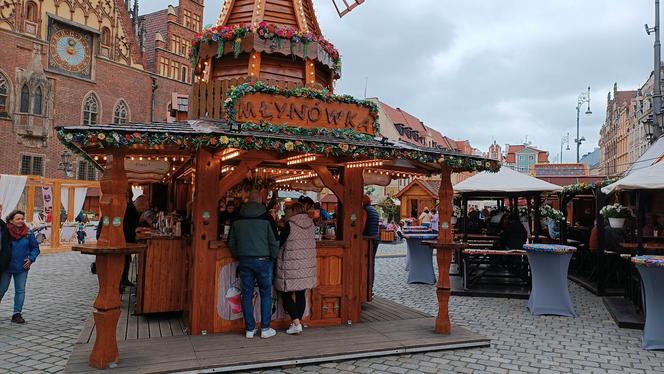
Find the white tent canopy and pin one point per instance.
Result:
(504, 181)
(650, 178)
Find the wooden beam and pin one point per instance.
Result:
(310, 72)
(329, 181)
(30, 203)
(55, 215)
(352, 234)
(254, 64)
(203, 261)
(444, 251)
(235, 177)
(71, 192)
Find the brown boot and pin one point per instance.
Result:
(17, 318)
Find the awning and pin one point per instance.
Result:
(649, 178)
(504, 181)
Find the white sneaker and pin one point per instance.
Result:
(294, 329)
(268, 333)
(250, 334)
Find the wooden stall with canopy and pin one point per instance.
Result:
(262, 113)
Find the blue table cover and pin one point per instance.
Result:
(651, 269)
(549, 264)
(419, 259)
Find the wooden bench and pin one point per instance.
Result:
(480, 263)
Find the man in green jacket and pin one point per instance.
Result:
(253, 241)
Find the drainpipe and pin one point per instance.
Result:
(153, 87)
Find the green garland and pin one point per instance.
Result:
(237, 92)
(79, 139)
(583, 188)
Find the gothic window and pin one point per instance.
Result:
(184, 74)
(90, 110)
(4, 95)
(120, 113)
(37, 106)
(31, 11)
(25, 99)
(105, 36)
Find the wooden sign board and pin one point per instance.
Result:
(304, 112)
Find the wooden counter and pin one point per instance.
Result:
(161, 275)
(325, 302)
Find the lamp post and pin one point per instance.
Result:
(584, 97)
(66, 164)
(657, 79)
(564, 140)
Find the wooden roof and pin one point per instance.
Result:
(299, 14)
(185, 137)
(431, 186)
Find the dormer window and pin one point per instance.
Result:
(409, 132)
(399, 127)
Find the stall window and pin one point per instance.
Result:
(121, 113)
(90, 110)
(25, 99)
(37, 105)
(32, 165)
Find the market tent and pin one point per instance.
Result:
(653, 155)
(504, 181)
(649, 178)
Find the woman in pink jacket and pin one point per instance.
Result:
(296, 264)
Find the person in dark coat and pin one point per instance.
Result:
(370, 229)
(514, 235)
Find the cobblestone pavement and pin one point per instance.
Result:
(61, 290)
(59, 296)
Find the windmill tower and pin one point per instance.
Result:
(278, 42)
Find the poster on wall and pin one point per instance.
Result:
(47, 199)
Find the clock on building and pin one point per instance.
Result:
(70, 51)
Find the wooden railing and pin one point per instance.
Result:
(207, 98)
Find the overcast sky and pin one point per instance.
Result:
(489, 70)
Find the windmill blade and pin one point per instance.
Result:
(346, 7)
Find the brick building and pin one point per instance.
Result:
(614, 139)
(522, 157)
(87, 62)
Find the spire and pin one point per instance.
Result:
(299, 14)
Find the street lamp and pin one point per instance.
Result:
(564, 140)
(66, 165)
(657, 79)
(584, 97)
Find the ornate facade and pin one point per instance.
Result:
(78, 61)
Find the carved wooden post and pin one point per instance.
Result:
(444, 250)
(106, 311)
(203, 261)
(29, 203)
(353, 183)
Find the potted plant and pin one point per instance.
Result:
(456, 213)
(616, 214)
(553, 217)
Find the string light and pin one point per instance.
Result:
(229, 154)
(398, 174)
(363, 164)
(296, 177)
(226, 169)
(300, 159)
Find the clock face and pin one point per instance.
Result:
(70, 51)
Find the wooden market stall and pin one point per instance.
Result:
(485, 267)
(417, 195)
(643, 191)
(262, 115)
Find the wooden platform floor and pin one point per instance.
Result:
(387, 328)
(624, 313)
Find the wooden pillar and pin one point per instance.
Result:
(70, 204)
(352, 234)
(203, 261)
(600, 201)
(444, 251)
(638, 221)
(29, 203)
(55, 215)
(538, 226)
(106, 313)
(464, 214)
(255, 64)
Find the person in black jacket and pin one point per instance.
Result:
(514, 235)
(5, 245)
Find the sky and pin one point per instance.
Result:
(485, 70)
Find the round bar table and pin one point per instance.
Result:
(419, 258)
(548, 266)
(651, 269)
